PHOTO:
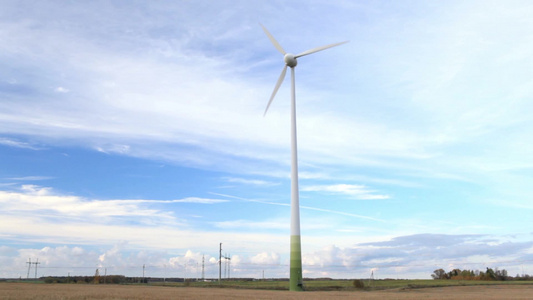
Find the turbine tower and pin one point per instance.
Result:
(290, 60)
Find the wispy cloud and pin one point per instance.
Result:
(184, 200)
(17, 144)
(353, 190)
(250, 181)
(342, 213)
(265, 225)
(113, 148)
(31, 178)
(32, 198)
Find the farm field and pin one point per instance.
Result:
(15, 290)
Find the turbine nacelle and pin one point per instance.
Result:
(290, 60)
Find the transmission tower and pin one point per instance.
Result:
(203, 266)
(29, 267)
(227, 261)
(220, 263)
(229, 266)
(36, 263)
(96, 277)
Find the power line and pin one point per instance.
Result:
(249, 266)
(392, 265)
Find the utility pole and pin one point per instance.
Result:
(143, 273)
(36, 263)
(203, 265)
(29, 267)
(220, 263)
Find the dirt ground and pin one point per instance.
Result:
(72, 291)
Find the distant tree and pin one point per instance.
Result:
(501, 274)
(465, 275)
(489, 274)
(454, 273)
(96, 277)
(116, 279)
(439, 274)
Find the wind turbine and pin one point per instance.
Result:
(296, 283)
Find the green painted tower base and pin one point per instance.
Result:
(296, 282)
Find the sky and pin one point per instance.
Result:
(132, 133)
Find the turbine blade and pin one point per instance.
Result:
(273, 40)
(319, 49)
(276, 88)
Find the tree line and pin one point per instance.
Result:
(489, 274)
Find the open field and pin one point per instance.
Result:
(345, 285)
(88, 291)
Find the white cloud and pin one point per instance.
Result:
(417, 255)
(61, 90)
(189, 259)
(34, 198)
(266, 258)
(39, 201)
(120, 88)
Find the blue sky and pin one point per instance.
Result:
(133, 133)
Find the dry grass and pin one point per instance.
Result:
(73, 291)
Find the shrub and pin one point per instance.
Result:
(358, 284)
(49, 280)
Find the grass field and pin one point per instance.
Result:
(13, 290)
(345, 285)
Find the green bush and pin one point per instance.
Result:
(358, 284)
(49, 280)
